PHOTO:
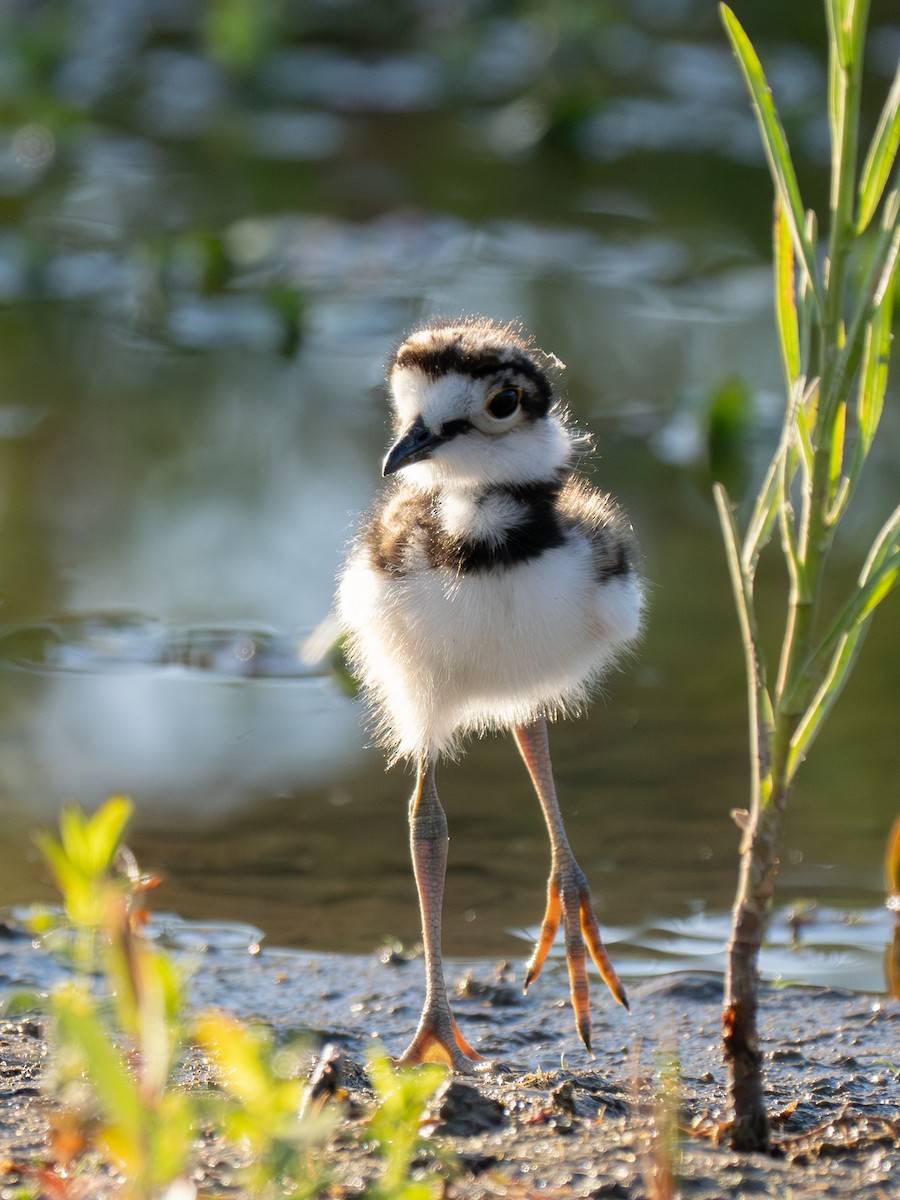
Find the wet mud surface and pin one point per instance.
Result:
(541, 1118)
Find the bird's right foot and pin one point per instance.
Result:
(439, 1040)
(569, 903)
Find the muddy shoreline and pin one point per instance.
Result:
(542, 1118)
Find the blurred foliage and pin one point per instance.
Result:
(263, 1106)
(114, 1052)
(402, 1096)
(730, 423)
(139, 133)
(192, 73)
(238, 33)
(122, 1028)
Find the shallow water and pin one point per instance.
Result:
(192, 415)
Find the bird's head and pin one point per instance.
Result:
(473, 404)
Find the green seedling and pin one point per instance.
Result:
(118, 1044)
(263, 1102)
(402, 1095)
(121, 1026)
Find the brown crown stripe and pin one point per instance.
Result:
(460, 357)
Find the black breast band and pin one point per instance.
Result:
(407, 534)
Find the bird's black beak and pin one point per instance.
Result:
(414, 443)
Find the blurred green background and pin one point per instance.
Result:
(216, 219)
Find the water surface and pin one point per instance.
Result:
(201, 284)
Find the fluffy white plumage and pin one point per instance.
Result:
(490, 588)
(444, 652)
(449, 655)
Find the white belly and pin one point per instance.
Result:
(444, 654)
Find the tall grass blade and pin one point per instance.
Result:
(774, 143)
(880, 158)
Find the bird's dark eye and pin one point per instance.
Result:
(504, 403)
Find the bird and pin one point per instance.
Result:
(490, 588)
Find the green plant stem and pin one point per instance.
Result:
(838, 332)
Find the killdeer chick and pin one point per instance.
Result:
(489, 589)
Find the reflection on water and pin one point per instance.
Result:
(200, 291)
(811, 946)
(102, 642)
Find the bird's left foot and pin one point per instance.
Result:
(569, 903)
(439, 1040)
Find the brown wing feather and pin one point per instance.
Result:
(604, 524)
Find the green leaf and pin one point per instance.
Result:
(774, 143)
(874, 374)
(838, 62)
(772, 496)
(885, 544)
(806, 420)
(882, 585)
(402, 1096)
(871, 294)
(173, 1137)
(881, 156)
(836, 449)
(80, 1029)
(785, 296)
(758, 700)
(65, 873)
(762, 522)
(827, 668)
(847, 21)
(103, 833)
(72, 834)
(91, 843)
(239, 1056)
(826, 696)
(880, 576)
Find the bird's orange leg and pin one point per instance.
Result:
(437, 1038)
(568, 894)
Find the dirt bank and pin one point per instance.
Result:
(545, 1119)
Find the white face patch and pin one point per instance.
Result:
(437, 401)
(449, 640)
(522, 453)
